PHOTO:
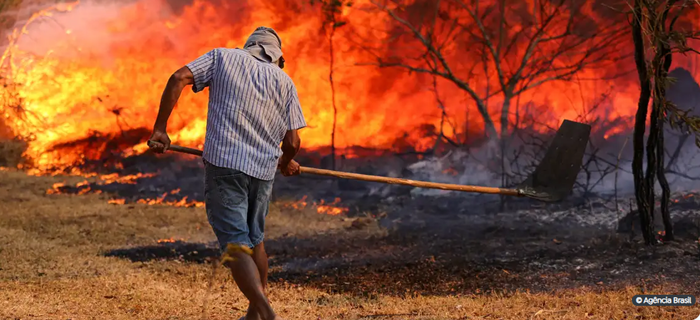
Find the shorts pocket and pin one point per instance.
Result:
(232, 188)
(264, 192)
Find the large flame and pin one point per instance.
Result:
(102, 68)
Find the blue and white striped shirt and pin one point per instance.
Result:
(252, 104)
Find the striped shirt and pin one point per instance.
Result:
(252, 104)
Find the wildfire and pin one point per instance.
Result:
(321, 207)
(105, 68)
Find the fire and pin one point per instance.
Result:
(321, 207)
(116, 201)
(56, 188)
(105, 68)
(84, 188)
(685, 196)
(331, 208)
(169, 240)
(180, 203)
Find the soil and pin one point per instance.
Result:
(450, 243)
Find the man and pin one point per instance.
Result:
(253, 107)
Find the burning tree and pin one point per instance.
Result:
(500, 48)
(331, 10)
(654, 35)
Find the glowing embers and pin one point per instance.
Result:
(169, 240)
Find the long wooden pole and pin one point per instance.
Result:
(371, 178)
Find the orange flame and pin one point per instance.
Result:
(321, 207)
(106, 70)
(116, 201)
(169, 240)
(180, 203)
(331, 208)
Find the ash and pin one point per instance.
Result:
(440, 242)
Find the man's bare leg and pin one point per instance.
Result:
(247, 277)
(260, 258)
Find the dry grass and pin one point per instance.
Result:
(51, 267)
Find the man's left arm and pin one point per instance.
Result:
(198, 73)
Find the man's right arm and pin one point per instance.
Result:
(290, 147)
(291, 141)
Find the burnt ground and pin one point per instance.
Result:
(447, 244)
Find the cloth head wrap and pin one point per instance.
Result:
(264, 44)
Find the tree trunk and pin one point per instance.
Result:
(660, 83)
(652, 161)
(489, 126)
(640, 187)
(665, 188)
(335, 109)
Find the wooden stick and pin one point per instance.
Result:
(371, 178)
(413, 183)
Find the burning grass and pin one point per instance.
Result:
(53, 267)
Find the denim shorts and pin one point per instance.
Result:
(236, 204)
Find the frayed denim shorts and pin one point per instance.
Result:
(237, 205)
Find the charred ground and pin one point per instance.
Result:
(445, 244)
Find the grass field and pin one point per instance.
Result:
(52, 267)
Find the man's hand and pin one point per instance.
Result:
(159, 141)
(291, 169)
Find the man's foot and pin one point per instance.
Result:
(251, 314)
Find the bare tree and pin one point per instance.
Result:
(524, 46)
(331, 10)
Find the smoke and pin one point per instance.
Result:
(95, 29)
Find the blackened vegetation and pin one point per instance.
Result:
(435, 253)
(176, 250)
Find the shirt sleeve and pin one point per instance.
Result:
(295, 117)
(203, 70)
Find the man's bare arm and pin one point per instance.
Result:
(177, 82)
(290, 147)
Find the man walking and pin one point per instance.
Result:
(253, 107)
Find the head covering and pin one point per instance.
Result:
(264, 44)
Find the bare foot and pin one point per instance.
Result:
(251, 314)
